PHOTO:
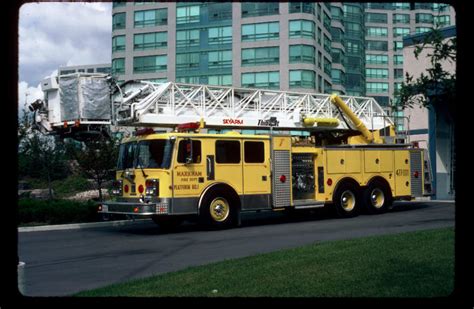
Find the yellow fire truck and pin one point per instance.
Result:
(305, 151)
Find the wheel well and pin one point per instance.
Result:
(221, 187)
(381, 180)
(344, 181)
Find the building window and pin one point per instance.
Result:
(377, 45)
(424, 18)
(261, 80)
(320, 60)
(377, 87)
(327, 21)
(188, 79)
(379, 6)
(150, 64)
(64, 72)
(302, 7)
(254, 152)
(320, 35)
(260, 32)
(150, 18)
(187, 61)
(327, 66)
(423, 6)
(440, 7)
(118, 21)
(220, 80)
(117, 4)
(376, 18)
(302, 54)
(397, 45)
(338, 56)
(397, 59)
(397, 31)
(422, 29)
(327, 44)
(219, 11)
(327, 86)
(337, 13)
(337, 35)
(401, 6)
(221, 59)
(118, 66)
(401, 18)
(103, 70)
(187, 38)
(444, 20)
(377, 31)
(353, 47)
(398, 73)
(153, 40)
(302, 29)
(219, 35)
(302, 79)
(376, 73)
(376, 59)
(188, 14)
(260, 56)
(353, 29)
(118, 43)
(259, 8)
(338, 77)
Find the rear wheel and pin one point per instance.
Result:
(377, 197)
(346, 200)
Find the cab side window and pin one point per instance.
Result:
(183, 149)
(227, 151)
(254, 152)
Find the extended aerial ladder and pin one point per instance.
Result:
(88, 102)
(169, 104)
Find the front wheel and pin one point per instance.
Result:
(217, 210)
(346, 200)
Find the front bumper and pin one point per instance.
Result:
(160, 207)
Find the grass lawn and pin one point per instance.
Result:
(415, 264)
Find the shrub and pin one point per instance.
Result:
(56, 211)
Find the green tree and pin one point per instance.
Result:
(436, 88)
(98, 158)
(42, 157)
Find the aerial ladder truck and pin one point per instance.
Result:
(229, 150)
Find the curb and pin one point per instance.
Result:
(75, 226)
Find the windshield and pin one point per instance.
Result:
(126, 156)
(146, 154)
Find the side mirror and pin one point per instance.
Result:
(189, 151)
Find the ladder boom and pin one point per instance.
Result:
(169, 104)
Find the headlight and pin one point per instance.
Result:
(117, 187)
(152, 187)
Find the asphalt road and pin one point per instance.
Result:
(60, 263)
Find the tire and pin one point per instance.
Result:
(346, 200)
(167, 223)
(218, 210)
(377, 197)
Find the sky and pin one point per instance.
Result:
(59, 34)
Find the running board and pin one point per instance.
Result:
(305, 204)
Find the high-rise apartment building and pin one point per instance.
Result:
(386, 24)
(275, 45)
(347, 47)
